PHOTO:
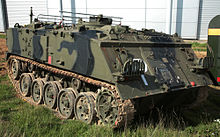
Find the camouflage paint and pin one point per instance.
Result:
(114, 54)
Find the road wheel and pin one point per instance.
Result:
(15, 68)
(85, 107)
(50, 94)
(65, 103)
(37, 91)
(25, 82)
(106, 107)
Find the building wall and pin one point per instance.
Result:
(208, 10)
(1, 19)
(187, 12)
(19, 10)
(133, 12)
(189, 18)
(54, 7)
(167, 16)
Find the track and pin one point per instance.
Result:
(126, 108)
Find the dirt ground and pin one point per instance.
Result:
(200, 54)
(3, 49)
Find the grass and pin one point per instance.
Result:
(199, 46)
(18, 118)
(196, 44)
(2, 36)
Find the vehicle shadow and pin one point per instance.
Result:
(204, 111)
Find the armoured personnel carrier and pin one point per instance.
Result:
(101, 73)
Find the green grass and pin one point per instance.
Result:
(200, 50)
(199, 46)
(18, 118)
(196, 44)
(2, 36)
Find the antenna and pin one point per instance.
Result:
(31, 15)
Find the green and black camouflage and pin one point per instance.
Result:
(143, 62)
(142, 67)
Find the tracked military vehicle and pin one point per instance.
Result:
(101, 73)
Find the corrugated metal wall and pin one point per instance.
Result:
(54, 7)
(1, 19)
(187, 18)
(208, 10)
(135, 14)
(19, 10)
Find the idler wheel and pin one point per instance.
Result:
(65, 104)
(25, 82)
(50, 94)
(15, 68)
(85, 107)
(106, 107)
(37, 90)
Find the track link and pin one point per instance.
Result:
(126, 107)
